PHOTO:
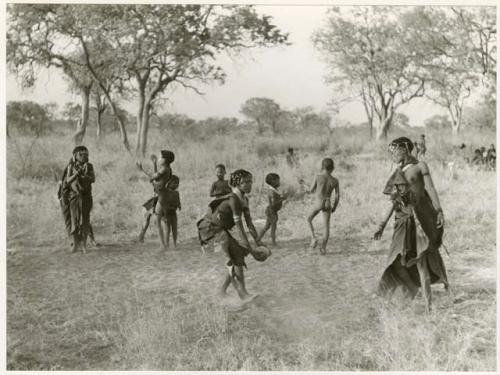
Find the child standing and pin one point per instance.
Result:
(324, 185)
(275, 202)
(159, 179)
(172, 203)
(225, 221)
(221, 186)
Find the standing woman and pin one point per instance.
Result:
(414, 260)
(79, 179)
(225, 221)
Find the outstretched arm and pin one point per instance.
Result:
(383, 223)
(251, 227)
(429, 186)
(313, 187)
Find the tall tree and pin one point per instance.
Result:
(454, 46)
(161, 45)
(366, 49)
(31, 43)
(43, 35)
(263, 111)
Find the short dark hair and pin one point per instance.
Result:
(221, 166)
(328, 164)
(271, 178)
(168, 155)
(174, 178)
(290, 149)
(80, 148)
(238, 175)
(403, 142)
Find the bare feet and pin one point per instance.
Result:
(314, 243)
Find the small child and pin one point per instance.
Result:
(421, 148)
(275, 200)
(324, 184)
(159, 180)
(291, 158)
(172, 202)
(225, 220)
(221, 186)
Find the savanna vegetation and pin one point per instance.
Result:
(128, 306)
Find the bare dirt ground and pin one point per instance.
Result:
(66, 311)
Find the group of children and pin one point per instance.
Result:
(224, 221)
(166, 201)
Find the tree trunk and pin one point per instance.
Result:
(456, 119)
(139, 121)
(84, 119)
(99, 123)
(121, 124)
(273, 126)
(143, 138)
(259, 126)
(381, 128)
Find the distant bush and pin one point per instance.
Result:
(27, 117)
(438, 122)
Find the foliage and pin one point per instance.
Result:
(454, 61)
(438, 122)
(27, 117)
(366, 49)
(263, 111)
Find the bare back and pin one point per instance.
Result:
(325, 184)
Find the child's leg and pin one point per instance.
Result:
(76, 242)
(274, 224)
(264, 230)
(160, 230)
(239, 282)
(326, 226)
(226, 283)
(316, 209)
(168, 225)
(174, 229)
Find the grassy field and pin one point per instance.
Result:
(127, 305)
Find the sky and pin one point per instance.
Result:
(292, 75)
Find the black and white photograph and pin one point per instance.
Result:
(250, 187)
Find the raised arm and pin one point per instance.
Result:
(141, 168)
(429, 186)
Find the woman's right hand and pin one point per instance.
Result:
(378, 234)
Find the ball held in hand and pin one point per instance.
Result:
(261, 253)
